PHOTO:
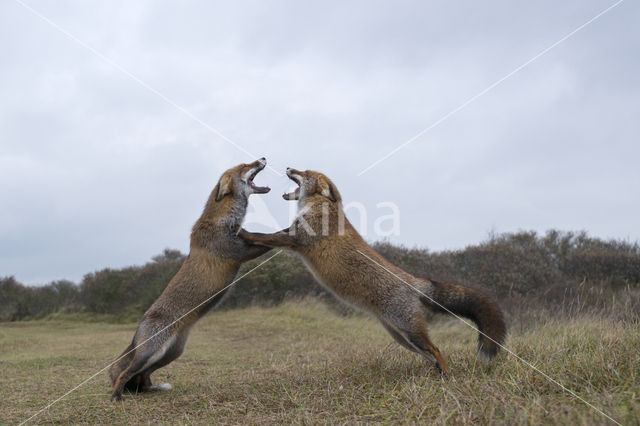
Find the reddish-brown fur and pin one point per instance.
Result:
(344, 263)
(215, 256)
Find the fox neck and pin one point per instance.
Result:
(317, 200)
(322, 216)
(229, 211)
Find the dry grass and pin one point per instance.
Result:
(300, 363)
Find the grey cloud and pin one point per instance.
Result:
(97, 171)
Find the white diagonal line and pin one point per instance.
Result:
(141, 82)
(127, 353)
(483, 92)
(546, 376)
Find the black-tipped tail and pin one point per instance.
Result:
(471, 304)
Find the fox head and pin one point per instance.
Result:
(311, 184)
(238, 180)
(229, 199)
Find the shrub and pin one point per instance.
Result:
(559, 272)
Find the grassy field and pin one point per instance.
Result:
(301, 363)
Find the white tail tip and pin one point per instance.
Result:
(162, 387)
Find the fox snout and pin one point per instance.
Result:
(261, 163)
(297, 176)
(255, 168)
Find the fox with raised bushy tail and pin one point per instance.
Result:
(215, 255)
(345, 264)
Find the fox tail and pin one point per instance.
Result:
(468, 303)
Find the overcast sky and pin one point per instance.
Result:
(97, 170)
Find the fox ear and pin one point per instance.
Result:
(327, 190)
(223, 187)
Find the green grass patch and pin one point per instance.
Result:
(302, 363)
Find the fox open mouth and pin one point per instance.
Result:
(252, 174)
(295, 195)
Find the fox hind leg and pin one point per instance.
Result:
(399, 337)
(174, 348)
(420, 339)
(145, 356)
(136, 366)
(147, 386)
(416, 338)
(121, 363)
(141, 382)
